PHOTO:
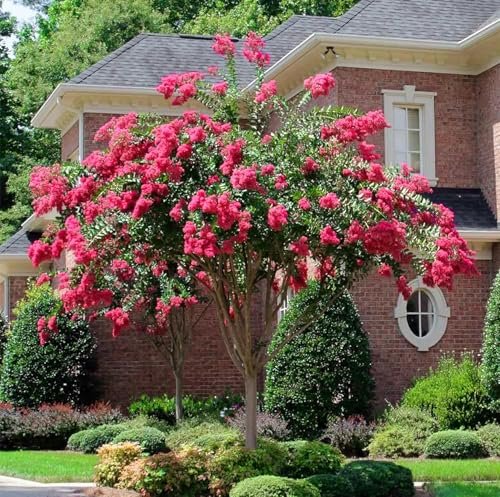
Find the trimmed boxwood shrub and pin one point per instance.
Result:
(455, 444)
(453, 393)
(403, 433)
(188, 431)
(490, 366)
(310, 458)
(332, 485)
(325, 371)
(490, 436)
(89, 441)
(56, 372)
(274, 486)
(378, 479)
(150, 439)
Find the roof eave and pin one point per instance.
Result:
(472, 235)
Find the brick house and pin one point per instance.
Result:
(432, 65)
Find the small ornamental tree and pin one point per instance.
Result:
(224, 202)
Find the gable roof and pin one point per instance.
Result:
(146, 58)
(18, 244)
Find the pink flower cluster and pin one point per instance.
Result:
(252, 50)
(320, 84)
(266, 92)
(223, 45)
(183, 86)
(49, 188)
(45, 327)
(355, 128)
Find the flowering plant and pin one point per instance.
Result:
(223, 202)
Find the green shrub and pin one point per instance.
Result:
(332, 485)
(325, 371)
(378, 479)
(89, 441)
(310, 458)
(54, 373)
(490, 366)
(113, 458)
(350, 435)
(182, 473)
(164, 407)
(453, 393)
(490, 436)
(232, 465)
(455, 444)
(212, 442)
(403, 433)
(188, 431)
(150, 439)
(4, 329)
(274, 486)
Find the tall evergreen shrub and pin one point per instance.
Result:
(33, 374)
(325, 371)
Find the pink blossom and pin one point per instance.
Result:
(328, 237)
(300, 246)
(320, 84)
(280, 182)
(329, 201)
(310, 166)
(267, 170)
(42, 279)
(304, 204)
(266, 91)
(120, 320)
(196, 134)
(245, 178)
(220, 88)
(252, 50)
(277, 217)
(223, 45)
(266, 139)
(384, 270)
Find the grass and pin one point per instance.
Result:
(48, 466)
(465, 489)
(453, 469)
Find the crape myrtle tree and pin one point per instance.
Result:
(220, 202)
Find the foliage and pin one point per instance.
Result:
(164, 407)
(182, 472)
(150, 439)
(243, 210)
(233, 464)
(48, 426)
(112, 459)
(403, 433)
(268, 425)
(274, 486)
(490, 436)
(462, 489)
(490, 366)
(90, 440)
(335, 352)
(454, 444)
(332, 485)
(453, 393)
(310, 458)
(4, 329)
(378, 479)
(350, 435)
(58, 370)
(187, 432)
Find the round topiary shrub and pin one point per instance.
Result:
(325, 371)
(56, 372)
(89, 441)
(378, 479)
(490, 436)
(332, 485)
(150, 439)
(455, 444)
(274, 486)
(453, 393)
(311, 458)
(490, 366)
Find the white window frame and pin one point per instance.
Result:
(285, 305)
(4, 306)
(441, 315)
(424, 100)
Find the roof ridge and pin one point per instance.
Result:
(354, 11)
(291, 21)
(113, 55)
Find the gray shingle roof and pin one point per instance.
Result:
(19, 243)
(146, 58)
(469, 205)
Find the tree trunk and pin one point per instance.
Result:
(179, 407)
(251, 410)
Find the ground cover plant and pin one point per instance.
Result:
(48, 466)
(243, 207)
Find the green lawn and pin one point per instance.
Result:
(465, 489)
(48, 466)
(452, 469)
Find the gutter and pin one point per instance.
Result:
(480, 235)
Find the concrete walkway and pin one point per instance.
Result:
(15, 487)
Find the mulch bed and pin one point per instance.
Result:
(109, 492)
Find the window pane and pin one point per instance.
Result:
(400, 118)
(400, 141)
(413, 323)
(425, 303)
(415, 161)
(414, 141)
(413, 118)
(412, 304)
(427, 322)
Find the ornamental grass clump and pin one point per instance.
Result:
(221, 201)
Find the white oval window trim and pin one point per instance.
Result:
(441, 315)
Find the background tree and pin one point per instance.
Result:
(240, 211)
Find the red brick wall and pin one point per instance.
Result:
(395, 361)
(488, 136)
(17, 289)
(69, 141)
(91, 124)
